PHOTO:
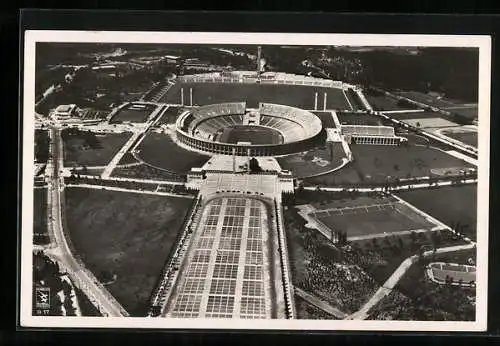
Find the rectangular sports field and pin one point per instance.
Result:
(133, 115)
(430, 100)
(129, 235)
(291, 95)
(76, 152)
(381, 216)
(453, 206)
(386, 103)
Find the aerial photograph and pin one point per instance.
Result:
(255, 181)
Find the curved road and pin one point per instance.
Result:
(61, 252)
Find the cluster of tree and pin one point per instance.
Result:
(90, 139)
(42, 143)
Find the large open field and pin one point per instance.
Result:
(291, 95)
(124, 239)
(160, 151)
(253, 134)
(455, 206)
(467, 137)
(133, 115)
(42, 141)
(315, 161)
(90, 149)
(386, 103)
(40, 231)
(358, 119)
(378, 163)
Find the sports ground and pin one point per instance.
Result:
(454, 206)
(386, 103)
(226, 272)
(291, 95)
(459, 273)
(253, 134)
(77, 152)
(133, 115)
(369, 216)
(129, 235)
(160, 151)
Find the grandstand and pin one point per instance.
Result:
(366, 134)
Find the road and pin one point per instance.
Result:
(321, 304)
(61, 251)
(389, 285)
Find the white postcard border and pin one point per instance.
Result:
(31, 37)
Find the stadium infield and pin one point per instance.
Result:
(160, 151)
(378, 164)
(454, 206)
(78, 151)
(291, 95)
(124, 239)
(253, 134)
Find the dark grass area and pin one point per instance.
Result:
(291, 95)
(455, 206)
(169, 116)
(40, 231)
(378, 164)
(160, 150)
(468, 112)
(253, 134)
(133, 115)
(315, 161)
(42, 142)
(387, 103)
(326, 119)
(144, 171)
(358, 119)
(430, 99)
(78, 152)
(307, 311)
(129, 235)
(469, 138)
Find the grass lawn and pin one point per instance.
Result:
(291, 95)
(129, 235)
(378, 163)
(452, 205)
(386, 103)
(42, 142)
(161, 151)
(77, 153)
(315, 161)
(40, 230)
(469, 137)
(358, 119)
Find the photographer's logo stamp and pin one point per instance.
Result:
(42, 298)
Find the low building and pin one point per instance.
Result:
(63, 112)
